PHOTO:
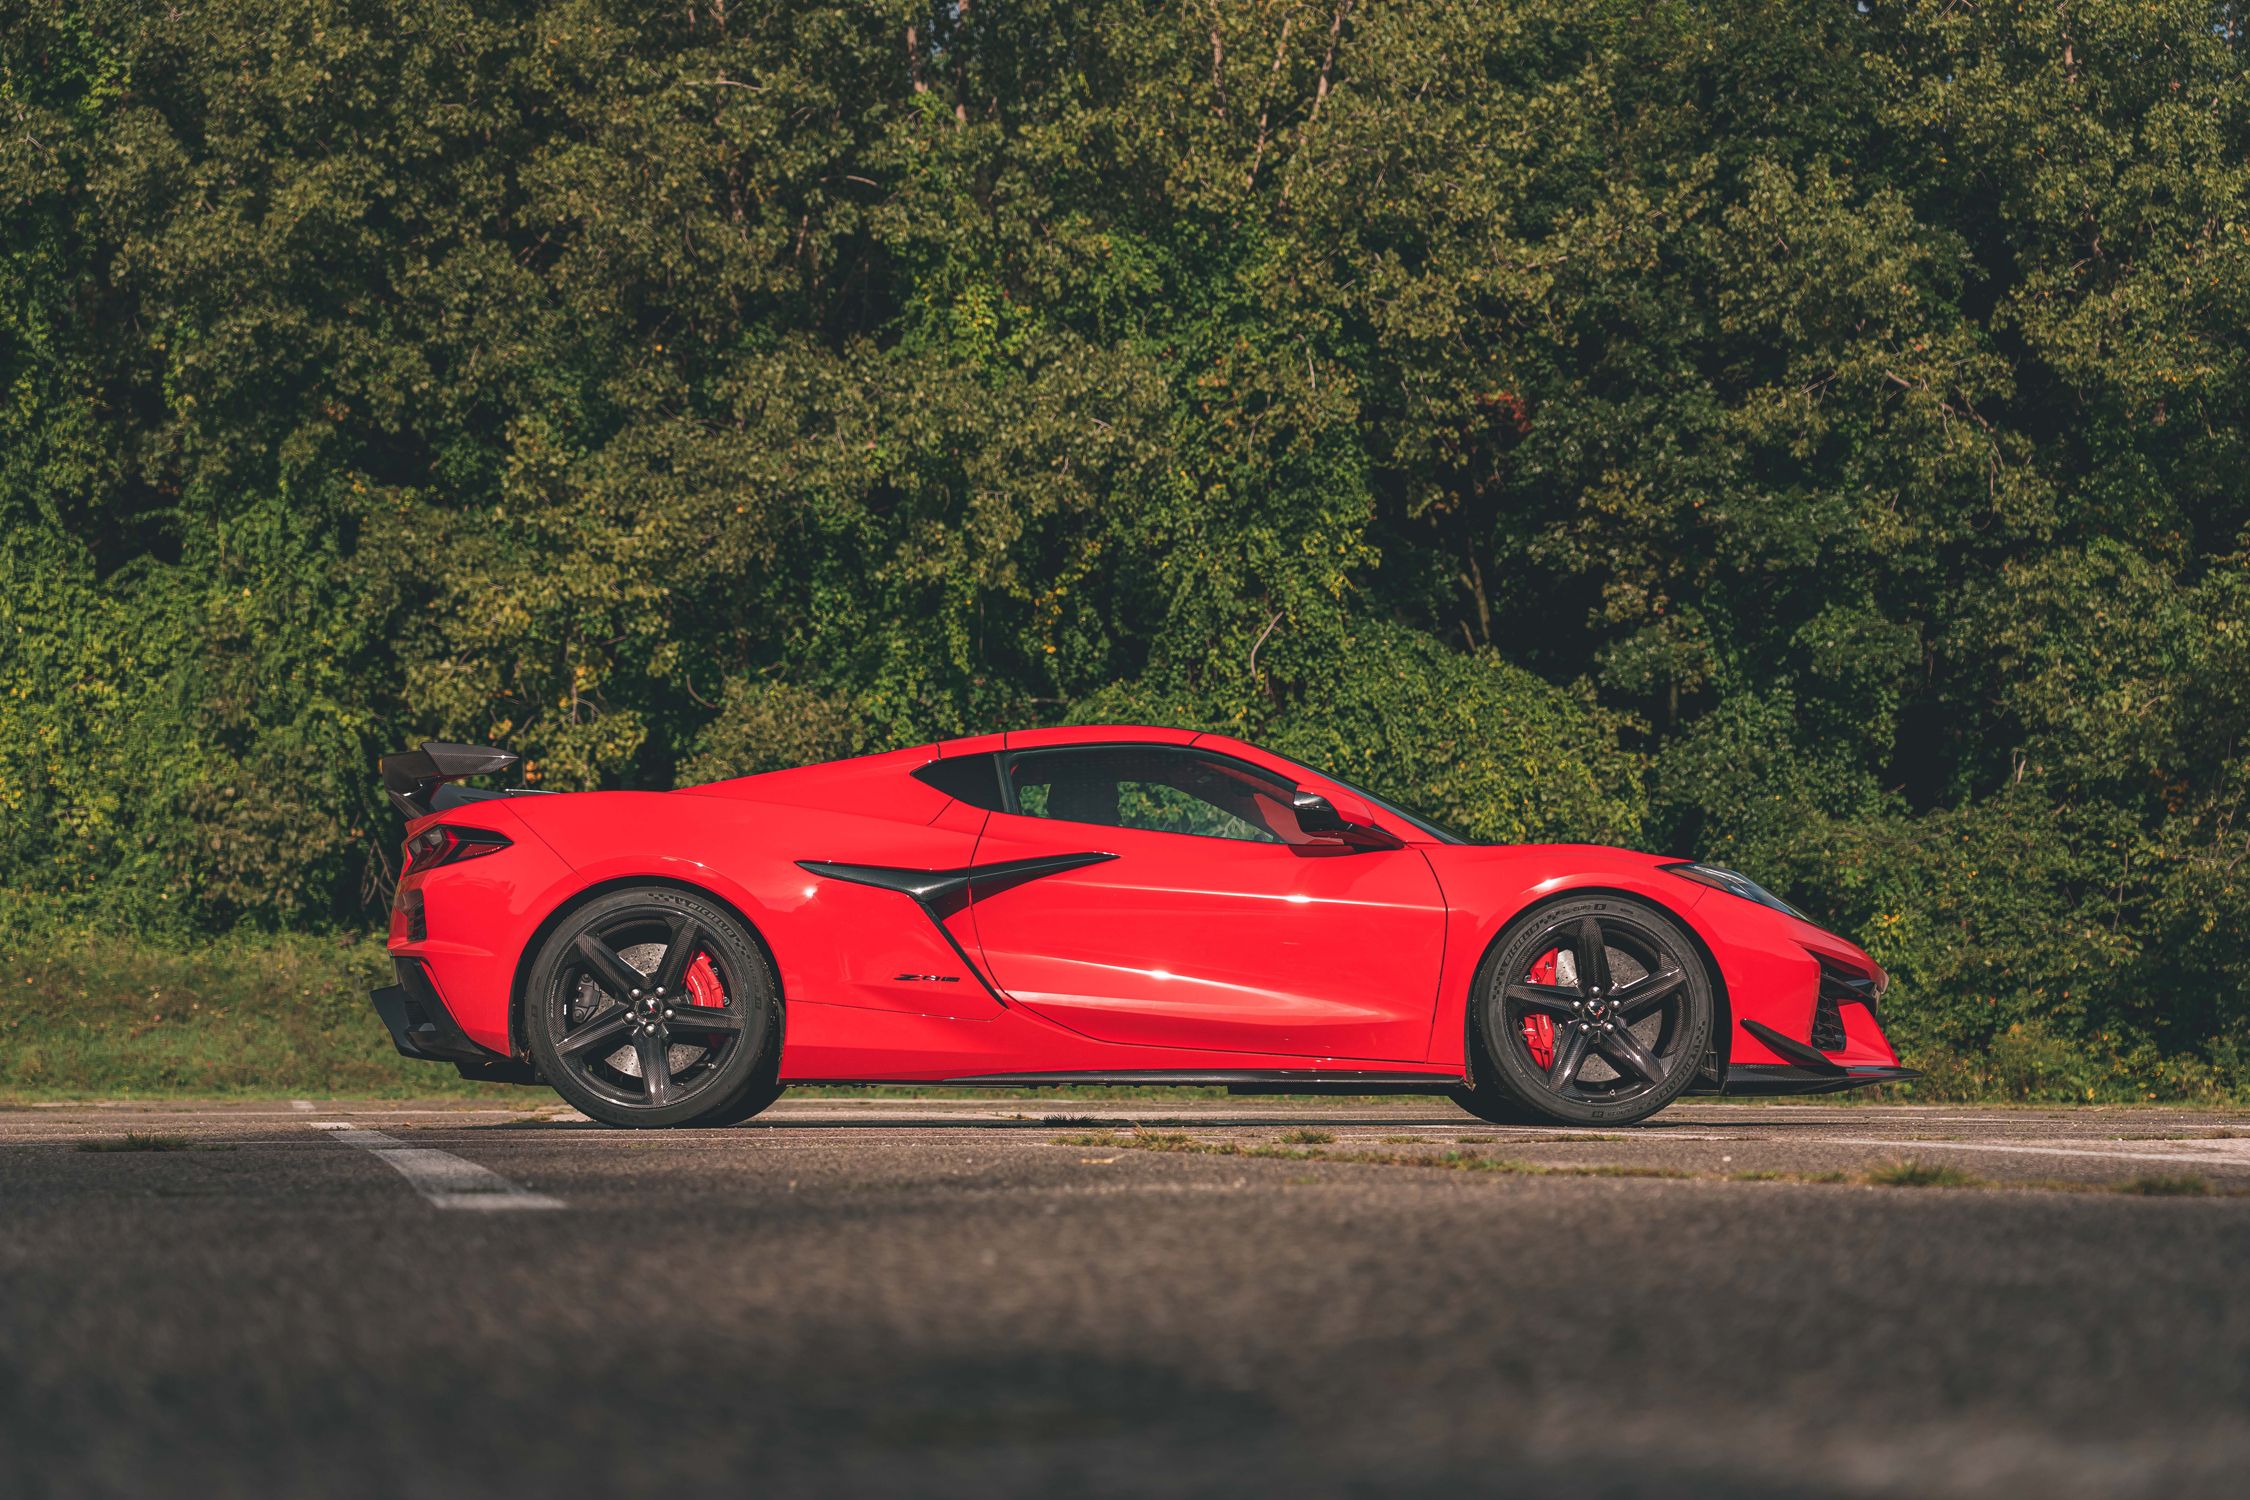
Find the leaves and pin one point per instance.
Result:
(1806, 435)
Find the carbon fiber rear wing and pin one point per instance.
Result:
(413, 777)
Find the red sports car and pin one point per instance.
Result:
(1109, 904)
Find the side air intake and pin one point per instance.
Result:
(1839, 987)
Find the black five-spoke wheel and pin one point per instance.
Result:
(653, 1007)
(1590, 1011)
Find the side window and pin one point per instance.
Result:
(974, 779)
(1158, 788)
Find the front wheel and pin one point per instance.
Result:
(654, 1007)
(1596, 1010)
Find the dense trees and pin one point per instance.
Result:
(1807, 434)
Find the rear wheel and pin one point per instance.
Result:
(1592, 1011)
(653, 1007)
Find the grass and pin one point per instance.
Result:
(239, 1017)
(1919, 1174)
(134, 1140)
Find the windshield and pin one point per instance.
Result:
(1425, 826)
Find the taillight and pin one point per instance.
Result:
(443, 845)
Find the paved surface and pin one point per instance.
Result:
(963, 1298)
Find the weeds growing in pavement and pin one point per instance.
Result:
(1299, 1146)
(1773, 1176)
(134, 1140)
(2167, 1185)
(1179, 1143)
(1915, 1174)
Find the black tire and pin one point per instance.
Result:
(1625, 1034)
(1487, 1103)
(617, 1015)
(754, 1101)
(765, 1089)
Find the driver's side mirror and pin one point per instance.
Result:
(1318, 816)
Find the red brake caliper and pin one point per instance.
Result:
(1539, 1027)
(703, 987)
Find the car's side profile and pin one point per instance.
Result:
(1090, 904)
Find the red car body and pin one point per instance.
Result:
(1175, 958)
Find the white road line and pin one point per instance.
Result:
(2221, 1157)
(440, 1176)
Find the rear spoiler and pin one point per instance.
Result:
(413, 777)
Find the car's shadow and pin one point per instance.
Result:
(1099, 1121)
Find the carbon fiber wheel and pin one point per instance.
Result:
(655, 1007)
(1591, 1011)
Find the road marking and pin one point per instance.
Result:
(304, 1106)
(2223, 1156)
(440, 1176)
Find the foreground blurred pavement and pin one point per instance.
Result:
(1001, 1298)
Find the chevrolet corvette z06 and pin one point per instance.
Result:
(1105, 904)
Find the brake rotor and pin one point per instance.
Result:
(703, 989)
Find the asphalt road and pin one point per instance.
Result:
(979, 1299)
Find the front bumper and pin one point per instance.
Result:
(422, 1028)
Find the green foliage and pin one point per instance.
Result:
(772, 727)
(1464, 737)
(1800, 433)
